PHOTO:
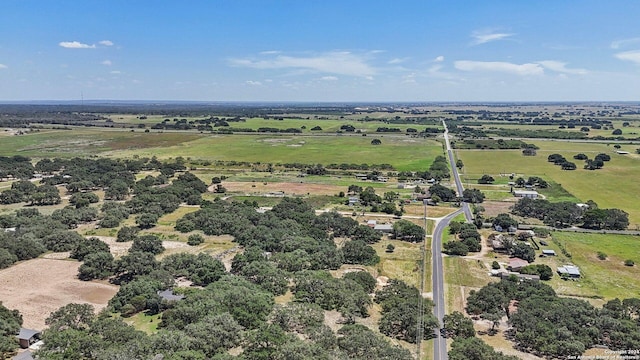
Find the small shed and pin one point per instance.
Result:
(353, 200)
(384, 228)
(27, 337)
(548, 252)
(371, 223)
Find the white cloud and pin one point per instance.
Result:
(633, 56)
(439, 59)
(75, 45)
(106, 62)
(498, 66)
(342, 63)
(485, 36)
(624, 42)
(329, 78)
(3, 66)
(253, 83)
(561, 67)
(270, 52)
(398, 60)
(106, 42)
(116, 72)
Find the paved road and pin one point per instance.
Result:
(440, 343)
(456, 176)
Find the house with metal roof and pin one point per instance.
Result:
(570, 270)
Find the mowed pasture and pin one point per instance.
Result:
(402, 152)
(303, 122)
(608, 278)
(613, 186)
(86, 142)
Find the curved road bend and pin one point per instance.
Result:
(440, 343)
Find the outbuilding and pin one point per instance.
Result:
(384, 228)
(548, 252)
(531, 194)
(571, 271)
(515, 264)
(27, 337)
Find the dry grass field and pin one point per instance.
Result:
(39, 286)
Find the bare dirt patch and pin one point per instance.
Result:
(289, 188)
(493, 208)
(117, 249)
(40, 286)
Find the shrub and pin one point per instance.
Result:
(602, 256)
(629, 262)
(195, 239)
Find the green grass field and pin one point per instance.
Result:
(614, 186)
(608, 278)
(404, 153)
(401, 152)
(86, 142)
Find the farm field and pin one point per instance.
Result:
(615, 182)
(402, 152)
(86, 142)
(39, 286)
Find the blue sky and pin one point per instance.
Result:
(320, 50)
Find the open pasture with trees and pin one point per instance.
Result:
(612, 186)
(403, 153)
(608, 278)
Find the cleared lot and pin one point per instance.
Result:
(38, 287)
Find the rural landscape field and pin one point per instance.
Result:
(319, 180)
(122, 219)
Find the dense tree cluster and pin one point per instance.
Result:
(345, 295)
(401, 310)
(590, 164)
(468, 239)
(297, 237)
(10, 322)
(563, 214)
(405, 230)
(474, 348)
(548, 325)
(473, 196)
(442, 193)
(31, 235)
(486, 179)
